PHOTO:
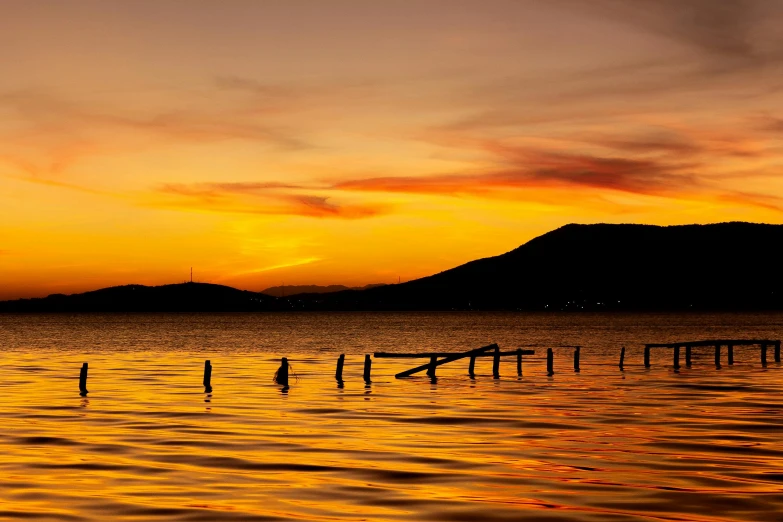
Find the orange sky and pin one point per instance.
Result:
(352, 142)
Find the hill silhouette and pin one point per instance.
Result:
(725, 266)
(291, 290)
(184, 297)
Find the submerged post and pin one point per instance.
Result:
(496, 363)
(646, 356)
(550, 362)
(717, 356)
(472, 367)
(622, 358)
(676, 363)
(763, 354)
(777, 351)
(281, 377)
(340, 363)
(83, 380)
(731, 354)
(576, 359)
(207, 376)
(688, 355)
(367, 368)
(433, 365)
(519, 362)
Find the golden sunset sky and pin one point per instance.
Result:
(358, 141)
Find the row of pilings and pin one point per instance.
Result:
(282, 376)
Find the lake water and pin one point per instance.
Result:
(147, 443)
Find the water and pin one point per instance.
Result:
(148, 443)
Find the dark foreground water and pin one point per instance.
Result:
(602, 445)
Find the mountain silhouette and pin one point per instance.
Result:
(731, 266)
(725, 266)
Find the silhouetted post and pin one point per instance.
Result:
(731, 354)
(576, 359)
(676, 363)
(688, 355)
(717, 356)
(646, 356)
(622, 358)
(367, 368)
(431, 369)
(207, 376)
(763, 354)
(519, 362)
(777, 351)
(281, 377)
(550, 362)
(496, 363)
(83, 380)
(472, 367)
(340, 363)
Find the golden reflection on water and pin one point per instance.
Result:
(148, 444)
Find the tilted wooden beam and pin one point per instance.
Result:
(427, 355)
(450, 358)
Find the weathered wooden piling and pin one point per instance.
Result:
(688, 355)
(646, 356)
(367, 368)
(496, 363)
(207, 382)
(338, 374)
(763, 354)
(576, 359)
(777, 351)
(676, 362)
(730, 354)
(83, 380)
(550, 362)
(281, 377)
(622, 358)
(433, 365)
(472, 367)
(519, 362)
(717, 356)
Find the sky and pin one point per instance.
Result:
(356, 141)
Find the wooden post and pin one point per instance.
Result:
(717, 356)
(472, 367)
(496, 363)
(83, 380)
(688, 355)
(763, 354)
(340, 363)
(576, 359)
(282, 373)
(622, 358)
(646, 356)
(777, 351)
(676, 358)
(550, 362)
(519, 362)
(367, 368)
(433, 365)
(207, 376)
(731, 354)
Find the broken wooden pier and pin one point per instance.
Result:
(716, 344)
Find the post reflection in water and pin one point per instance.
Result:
(596, 445)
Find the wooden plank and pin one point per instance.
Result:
(712, 342)
(430, 355)
(447, 359)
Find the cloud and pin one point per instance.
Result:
(263, 199)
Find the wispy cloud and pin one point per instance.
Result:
(262, 198)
